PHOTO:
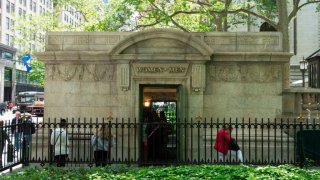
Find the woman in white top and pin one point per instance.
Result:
(102, 140)
(59, 139)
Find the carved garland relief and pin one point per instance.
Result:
(95, 72)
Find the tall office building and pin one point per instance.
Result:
(13, 74)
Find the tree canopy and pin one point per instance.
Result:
(186, 15)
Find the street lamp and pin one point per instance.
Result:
(303, 69)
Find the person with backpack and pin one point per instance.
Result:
(60, 142)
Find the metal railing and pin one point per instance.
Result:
(188, 141)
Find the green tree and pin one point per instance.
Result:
(214, 15)
(30, 30)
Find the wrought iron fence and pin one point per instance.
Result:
(188, 141)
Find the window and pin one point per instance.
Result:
(24, 3)
(40, 9)
(20, 12)
(34, 7)
(12, 8)
(7, 74)
(24, 13)
(20, 1)
(7, 39)
(7, 55)
(7, 23)
(11, 41)
(30, 5)
(11, 24)
(8, 7)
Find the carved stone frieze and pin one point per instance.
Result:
(98, 71)
(67, 72)
(95, 72)
(244, 73)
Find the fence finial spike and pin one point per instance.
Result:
(109, 117)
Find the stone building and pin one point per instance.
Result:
(114, 75)
(213, 74)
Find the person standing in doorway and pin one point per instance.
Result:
(59, 140)
(102, 140)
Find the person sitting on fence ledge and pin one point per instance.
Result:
(102, 140)
(59, 140)
(224, 143)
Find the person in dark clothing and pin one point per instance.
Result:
(28, 128)
(16, 130)
(164, 132)
(3, 137)
(153, 137)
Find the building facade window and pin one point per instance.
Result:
(7, 39)
(8, 6)
(7, 23)
(11, 41)
(25, 3)
(7, 74)
(6, 55)
(34, 7)
(12, 8)
(11, 24)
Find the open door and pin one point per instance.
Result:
(159, 130)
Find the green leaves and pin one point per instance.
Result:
(169, 173)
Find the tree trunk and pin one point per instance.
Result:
(283, 24)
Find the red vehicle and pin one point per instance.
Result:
(37, 108)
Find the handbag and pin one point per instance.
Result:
(145, 141)
(234, 145)
(10, 152)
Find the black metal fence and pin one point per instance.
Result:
(188, 141)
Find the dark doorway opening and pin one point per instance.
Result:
(159, 132)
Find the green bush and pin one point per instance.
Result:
(171, 172)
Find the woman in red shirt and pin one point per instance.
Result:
(222, 144)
